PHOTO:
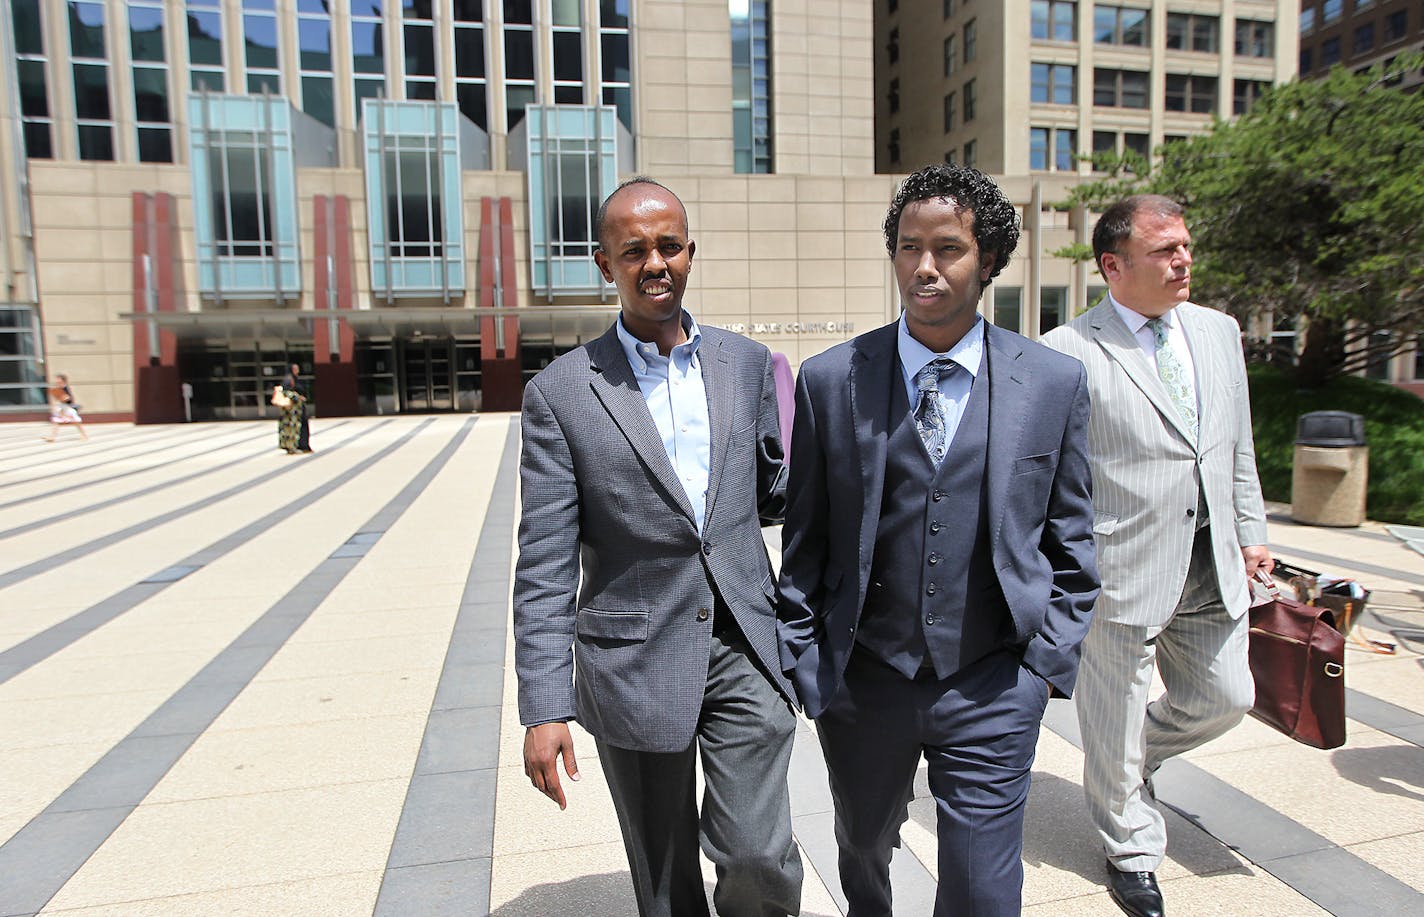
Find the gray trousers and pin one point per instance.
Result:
(1201, 654)
(744, 738)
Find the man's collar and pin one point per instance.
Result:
(967, 352)
(637, 350)
(1135, 320)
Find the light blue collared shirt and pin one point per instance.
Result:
(954, 388)
(677, 400)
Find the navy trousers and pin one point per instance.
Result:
(978, 730)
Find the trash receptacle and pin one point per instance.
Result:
(1331, 469)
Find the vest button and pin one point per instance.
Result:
(702, 614)
(929, 619)
(934, 528)
(934, 559)
(931, 589)
(937, 496)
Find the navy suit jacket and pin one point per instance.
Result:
(1039, 504)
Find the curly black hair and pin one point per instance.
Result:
(996, 219)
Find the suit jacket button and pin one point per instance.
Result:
(702, 614)
(706, 549)
(929, 619)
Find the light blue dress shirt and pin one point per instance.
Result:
(954, 388)
(677, 400)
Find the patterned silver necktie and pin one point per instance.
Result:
(1174, 376)
(929, 410)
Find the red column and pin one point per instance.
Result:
(158, 393)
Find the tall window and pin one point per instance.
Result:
(1054, 84)
(1120, 25)
(971, 99)
(418, 37)
(150, 81)
(751, 85)
(615, 59)
(1307, 19)
(567, 44)
(971, 153)
(314, 60)
(949, 55)
(572, 166)
(1052, 149)
(1053, 20)
(470, 87)
(244, 196)
(971, 40)
(948, 112)
(1255, 39)
(94, 118)
(1191, 93)
(1008, 302)
(21, 382)
(892, 47)
(30, 70)
(368, 50)
(1364, 38)
(519, 86)
(1052, 306)
(411, 180)
(1330, 51)
(1396, 24)
(1193, 32)
(260, 47)
(1119, 88)
(893, 95)
(894, 145)
(1246, 94)
(205, 51)
(1330, 10)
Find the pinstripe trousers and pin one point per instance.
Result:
(1201, 654)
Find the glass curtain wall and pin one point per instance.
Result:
(89, 62)
(30, 72)
(153, 122)
(315, 60)
(751, 85)
(21, 382)
(470, 81)
(205, 48)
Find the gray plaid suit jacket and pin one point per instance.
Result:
(615, 588)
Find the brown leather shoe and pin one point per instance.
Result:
(1135, 892)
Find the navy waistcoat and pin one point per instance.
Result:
(934, 598)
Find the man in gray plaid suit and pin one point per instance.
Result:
(643, 598)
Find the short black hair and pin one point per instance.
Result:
(1114, 227)
(635, 180)
(996, 219)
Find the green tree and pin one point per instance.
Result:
(1310, 205)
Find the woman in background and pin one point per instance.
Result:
(63, 409)
(293, 431)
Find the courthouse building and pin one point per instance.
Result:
(398, 194)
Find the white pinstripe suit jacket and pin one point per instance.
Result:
(1146, 470)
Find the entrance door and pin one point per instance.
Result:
(425, 375)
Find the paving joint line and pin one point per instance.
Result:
(39, 647)
(45, 854)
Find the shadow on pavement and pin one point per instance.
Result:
(1395, 770)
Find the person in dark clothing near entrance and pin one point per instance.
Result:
(300, 395)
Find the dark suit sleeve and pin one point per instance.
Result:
(546, 576)
(1068, 545)
(803, 538)
(770, 457)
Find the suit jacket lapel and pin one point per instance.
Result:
(1007, 377)
(718, 379)
(617, 389)
(1121, 346)
(874, 367)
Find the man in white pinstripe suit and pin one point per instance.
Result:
(1179, 524)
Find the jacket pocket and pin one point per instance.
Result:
(1104, 523)
(612, 625)
(1031, 463)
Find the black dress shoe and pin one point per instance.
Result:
(1135, 892)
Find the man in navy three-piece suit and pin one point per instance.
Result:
(938, 565)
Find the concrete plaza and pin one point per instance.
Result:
(234, 681)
